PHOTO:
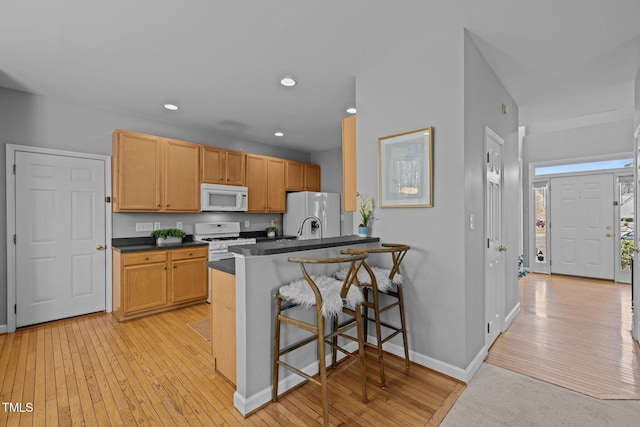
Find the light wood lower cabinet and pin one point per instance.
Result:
(223, 322)
(152, 281)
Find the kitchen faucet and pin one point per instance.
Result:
(315, 218)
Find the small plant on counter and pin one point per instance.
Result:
(271, 231)
(168, 236)
(163, 233)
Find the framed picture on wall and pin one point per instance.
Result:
(405, 169)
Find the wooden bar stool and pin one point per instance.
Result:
(329, 297)
(387, 281)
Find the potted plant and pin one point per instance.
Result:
(271, 231)
(365, 207)
(167, 236)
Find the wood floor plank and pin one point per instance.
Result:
(575, 333)
(155, 371)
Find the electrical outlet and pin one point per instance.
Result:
(246, 223)
(179, 225)
(156, 226)
(144, 226)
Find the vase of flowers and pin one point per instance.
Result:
(365, 208)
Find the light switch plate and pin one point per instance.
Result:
(179, 225)
(246, 223)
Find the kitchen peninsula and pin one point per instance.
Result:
(259, 270)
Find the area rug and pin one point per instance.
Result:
(202, 328)
(498, 397)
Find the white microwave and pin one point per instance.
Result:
(217, 197)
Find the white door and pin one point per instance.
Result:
(495, 268)
(60, 237)
(582, 234)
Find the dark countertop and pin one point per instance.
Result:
(226, 265)
(139, 244)
(281, 246)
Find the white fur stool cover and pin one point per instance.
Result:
(382, 277)
(299, 291)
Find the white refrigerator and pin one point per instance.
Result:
(303, 206)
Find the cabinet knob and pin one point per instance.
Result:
(190, 254)
(146, 258)
(175, 266)
(158, 205)
(168, 205)
(164, 268)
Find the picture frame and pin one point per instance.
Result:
(405, 169)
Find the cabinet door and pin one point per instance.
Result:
(235, 167)
(275, 185)
(213, 165)
(257, 183)
(144, 287)
(311, 177)
(223, 322)
(136, 172)
(181, 176)
(294, 176)
(188, 280)
(349, 198)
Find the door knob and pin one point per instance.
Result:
(608, 234)
(636, 250)
(502, 248)
(100, 247)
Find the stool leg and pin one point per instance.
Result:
(335, 321)
(322, 368)
(276, 349)
(363, 368)
(376, 313)
(365, 309)
(403, 325)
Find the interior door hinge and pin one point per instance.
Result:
(15, 308)
(15, 239)
(487, 157)
(488, 244)
(14, 169)
(107, 199)
(488, 328)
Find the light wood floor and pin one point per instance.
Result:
(92, 370)
(575, 333)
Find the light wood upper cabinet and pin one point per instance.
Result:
(311, 177)
(155, 174)
(294, 176)
(276, 199)
(349, 191)
(302, 176)
(220, 166)
(137, 160)
(181, 176)
(266, 183)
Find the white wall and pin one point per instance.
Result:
(331, 177)
(484, 95)
(414, 89)
(637, 100)
(44, 122)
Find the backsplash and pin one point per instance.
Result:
(124, 224)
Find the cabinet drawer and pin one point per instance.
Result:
(187, 253)
(144, 257)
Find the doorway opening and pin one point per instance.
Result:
(581, 218)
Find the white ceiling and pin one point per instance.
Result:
(221, 60)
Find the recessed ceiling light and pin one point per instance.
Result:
(351, 110)
(279, 134)
(287, 81)
(171, 107)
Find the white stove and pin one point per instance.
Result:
(220, 235)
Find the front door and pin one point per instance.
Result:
(495, 268)
(582, 233)
(60, 237)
